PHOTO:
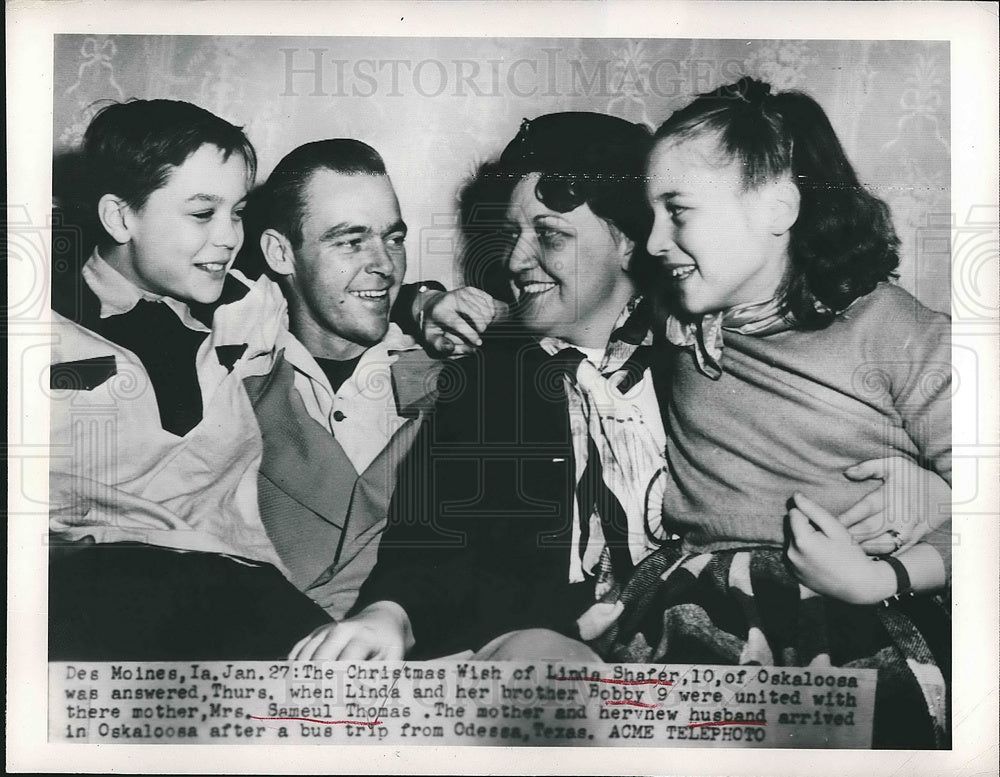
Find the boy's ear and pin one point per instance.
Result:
(277, 252)
(785, 198)
(112, 211)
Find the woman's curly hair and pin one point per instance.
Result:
(843, 242)
(482, 208)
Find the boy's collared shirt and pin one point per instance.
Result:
(118, 295)
(116, 475)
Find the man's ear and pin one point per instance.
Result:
(113, 211)
(626, 246)
(277, 252)
(785, 198)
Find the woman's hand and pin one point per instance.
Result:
(381, 631)
(453, 321)
(911, 502)
(827, 560)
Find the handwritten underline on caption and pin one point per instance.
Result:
(607, 703)
(644, 705)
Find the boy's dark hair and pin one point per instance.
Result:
(583, 158)
(843, 243)
(131, 147)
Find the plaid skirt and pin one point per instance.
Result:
(745, 607)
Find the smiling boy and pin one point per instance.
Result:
(158, 549)
(179, 241)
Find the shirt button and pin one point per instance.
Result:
(338, 416)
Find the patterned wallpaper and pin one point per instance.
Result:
(436, 107)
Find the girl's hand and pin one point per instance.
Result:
(895, 516)
(453, 321)
(827, 560)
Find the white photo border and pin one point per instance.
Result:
(972, 30)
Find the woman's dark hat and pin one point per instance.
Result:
(578, 154)
(579, 143)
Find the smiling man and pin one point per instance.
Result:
(342, 406)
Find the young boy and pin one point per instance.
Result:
(159, 551)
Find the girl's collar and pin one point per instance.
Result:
(705, 335)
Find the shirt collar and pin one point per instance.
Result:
(386, 351)
(705, 334)
(118, 295)
(631, 329)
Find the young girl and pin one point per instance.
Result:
(793, 359)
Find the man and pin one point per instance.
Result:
(343, 403)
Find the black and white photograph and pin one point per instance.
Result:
(412, 388)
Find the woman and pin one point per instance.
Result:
(535, 488)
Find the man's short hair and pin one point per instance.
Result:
(282, 200)
(130, 148)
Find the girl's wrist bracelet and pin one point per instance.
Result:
(903, 584)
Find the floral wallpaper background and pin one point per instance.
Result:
(434, 108)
